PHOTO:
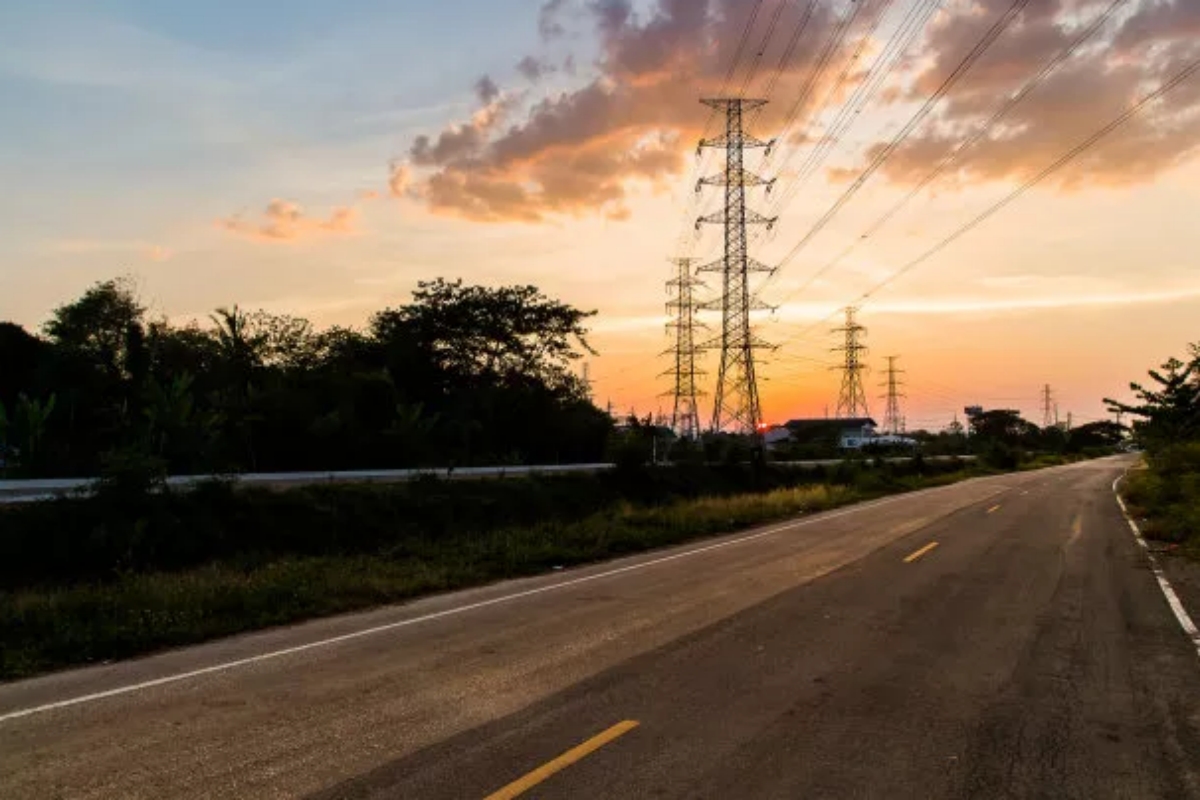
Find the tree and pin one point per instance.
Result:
(21, 356)
(460, 375)
(28, 429)
(1003, 425)
(1170, 412)
(1095, 435)
(501, 334)
(97, 325)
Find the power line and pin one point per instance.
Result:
(837, 35)
(685, 242)
(1064, 160)
(786, 57)
(881, 69)
(780, 7)
(833, 43)
(951, 80)
(1050, 170)
(967, 144)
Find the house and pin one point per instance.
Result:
(845, 434)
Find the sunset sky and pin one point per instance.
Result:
(321, 158)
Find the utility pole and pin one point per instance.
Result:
(893, 420)
(1049, 409)
(685, 418)
(736, 405)
(852, 400)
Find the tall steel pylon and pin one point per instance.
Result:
(1049, 408)
(852, 400)
(893, 420)
(736, 407)
(685, 418)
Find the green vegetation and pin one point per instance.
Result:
(1166, 493)
(460, 375)
(124, 573)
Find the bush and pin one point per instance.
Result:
(1167, 493)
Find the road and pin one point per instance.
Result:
(1003, 637)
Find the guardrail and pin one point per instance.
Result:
(29, 491)
(26, 491)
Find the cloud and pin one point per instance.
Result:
(284, 221)
(549, 20)
(636, 118)
(534, 69)
(577, 152)
(148, 250)
(486, 90)
(399, 178)
(1133, 56)
(157, 252)
(802, 312)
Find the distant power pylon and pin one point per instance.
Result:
(852, 400)
(893, 420)
(685, 418)
(585, 379)
(736, 406)
(1049, 408)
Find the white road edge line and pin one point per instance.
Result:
(1181, 614)
(287, 651)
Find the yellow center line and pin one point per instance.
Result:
(993, 509)
(527, 782)
(914, 556)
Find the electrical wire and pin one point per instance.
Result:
(967, 144)
(1053, 168)
(977, 52)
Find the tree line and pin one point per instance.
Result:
(460, 375)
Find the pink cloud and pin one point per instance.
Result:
(285, 221)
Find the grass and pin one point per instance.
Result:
(130, 612)
(1165, 495)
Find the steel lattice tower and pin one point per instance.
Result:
(736, 405)
(852, 400)
(1049, 409)
(893, 420)
(685, 418)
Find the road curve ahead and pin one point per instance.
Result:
(1002, 637)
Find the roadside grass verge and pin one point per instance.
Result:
(1165, 496)
(128, 611)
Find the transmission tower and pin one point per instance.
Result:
(736, 405)
(893, 420)
(685, 418)
(852, 400)
(1049, 409)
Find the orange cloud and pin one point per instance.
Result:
(156, 252)
(575, 153)
(637, 120)
(1135, 54)
(285, 221)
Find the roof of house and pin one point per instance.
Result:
(840, 424)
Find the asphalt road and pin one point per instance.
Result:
(999, 638)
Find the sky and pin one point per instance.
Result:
(320, 159)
